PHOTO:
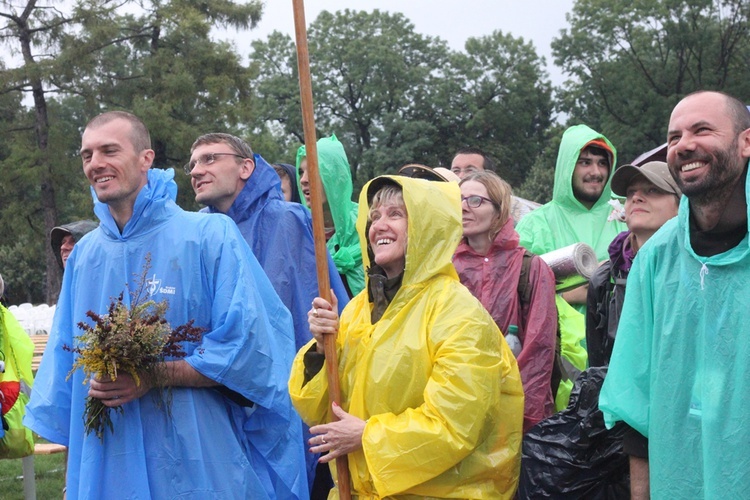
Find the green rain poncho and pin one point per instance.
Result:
(565, 220)
(680, 369)
(433, 377)
(337, 183)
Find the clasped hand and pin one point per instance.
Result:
(323, 319)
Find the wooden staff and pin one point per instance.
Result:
(316, 205)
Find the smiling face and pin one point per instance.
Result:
(704, 150)
(478, 221)
(589, 177)
(114, 168)
(219, 183)
(388, 233)
(647, 208)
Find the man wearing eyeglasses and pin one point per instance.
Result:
(468, 160)
(230, 179)
(201, 267)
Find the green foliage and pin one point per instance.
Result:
(632, 61)
(160, 63)
(20, 264)
(540, 180)
(391, 95)
(394, 96)
(507, 101)
(152, 58)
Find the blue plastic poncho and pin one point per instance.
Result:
(679, 372)
(434, 379)
(201, 266)
(280, 236)
(336, 177)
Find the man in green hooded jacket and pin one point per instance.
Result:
(579, 210)
(340, 212)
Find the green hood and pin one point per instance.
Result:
(573, 141)
(337, 182)
(564, 220)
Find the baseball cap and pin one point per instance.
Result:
(655, 172)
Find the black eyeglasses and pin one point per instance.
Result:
(475, 201)
(206, 159)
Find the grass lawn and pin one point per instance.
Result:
(50, 477)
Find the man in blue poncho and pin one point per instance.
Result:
(228, 178)
(236, 374)
(680, 369)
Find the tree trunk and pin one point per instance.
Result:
(41, 129)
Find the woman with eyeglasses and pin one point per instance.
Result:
(490, 263)
(431, 397)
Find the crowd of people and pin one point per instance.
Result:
(453, 340)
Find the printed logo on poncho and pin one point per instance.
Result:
(154, 286)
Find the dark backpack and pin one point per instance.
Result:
(559, 372)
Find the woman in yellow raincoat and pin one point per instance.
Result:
(432, 403)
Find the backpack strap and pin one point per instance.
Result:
(559, 371)
(524, 285)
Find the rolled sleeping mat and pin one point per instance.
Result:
(572, 265)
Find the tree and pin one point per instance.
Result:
(161, 64)
(632, 61)
(155, 59)
(393, 96)
(36, 26)
(506, 102)
(371, 76)
(540, 181)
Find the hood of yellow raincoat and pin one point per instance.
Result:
(434, 225)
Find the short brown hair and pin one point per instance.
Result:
(238, 145)
(499, 192)
(139, 136)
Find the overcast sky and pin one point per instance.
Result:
(454, 21)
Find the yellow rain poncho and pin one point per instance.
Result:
(434, 379)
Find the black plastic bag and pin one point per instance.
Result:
(571, 454)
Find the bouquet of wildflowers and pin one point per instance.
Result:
(134, 340)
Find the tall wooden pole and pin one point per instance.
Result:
(316, 205)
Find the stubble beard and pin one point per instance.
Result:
(724, 171)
